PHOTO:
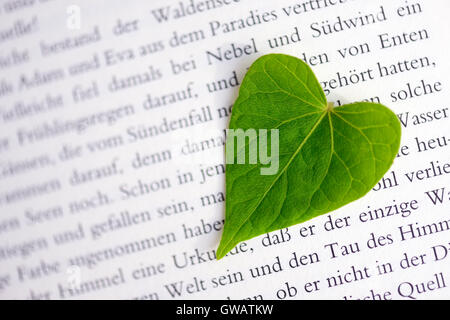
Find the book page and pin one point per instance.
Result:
(112, 132)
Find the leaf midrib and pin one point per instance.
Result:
(279, 175)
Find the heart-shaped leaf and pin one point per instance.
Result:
(323, 157)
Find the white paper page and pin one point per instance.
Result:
(111, 149)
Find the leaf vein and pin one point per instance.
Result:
(276, 179)
(296, 77)
(290, 94)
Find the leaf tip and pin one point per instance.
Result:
(224, 248)
(220, 253)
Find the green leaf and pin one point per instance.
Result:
(328, 157)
